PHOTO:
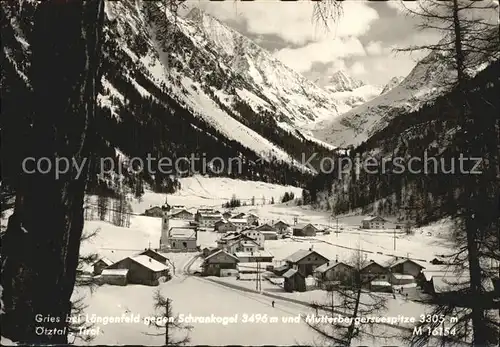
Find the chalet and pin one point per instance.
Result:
(100, 265)
(226, 215)
(223, 226)
(406, 267)
(155, 211)
(303, 229)
(183, 239)
(400, 279)
(256, 235)
(218, 261)
(252, 219)
(209, 250)
(182, 214)
(247, 246)
(281, 226)
(155, 255)
(305, 261)
(294, 281)
(207, 219)
(240, 223)
(142, 270)
(253, 257)
(265, 227)
(116, 277)
(334, 271)
(374, 222)
(374, 272)
(270, 235)
(233, 242)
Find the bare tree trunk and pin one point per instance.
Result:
(41, 246)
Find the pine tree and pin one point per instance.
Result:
(169, 322)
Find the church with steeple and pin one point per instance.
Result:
(177, 235)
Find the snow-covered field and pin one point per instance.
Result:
(201, 191)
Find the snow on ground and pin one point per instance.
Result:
(198, 191)
(199, 298)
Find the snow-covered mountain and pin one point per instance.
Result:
(340, 81)
(174, 86)
(430, 78)
(394, 82)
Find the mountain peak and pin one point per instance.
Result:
(340, 81)
(394, 82)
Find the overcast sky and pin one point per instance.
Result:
(361, 42)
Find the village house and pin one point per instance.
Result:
(281, 227)
(374, 272)
(155, 211)
(400, 279)
(223, 226)
(334, 271)
(207, 219)
(226, 215)
(252, 219)
(304, 229)
(230, 242)
(142, 270)
(115, 277)
(205, 252)
(155, 255)
(240, 215)
(265, 227)
(406, 267)
(100, 265)
(270, 235)
(294, 281)
(221, 260)
(240, 223)
(305, 261)
(374, 222)
(183, 239)
(182, 214)
(253, 257)
(256, 235)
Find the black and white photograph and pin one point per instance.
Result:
(250, 173)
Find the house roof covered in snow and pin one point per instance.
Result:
(179, 223)
(177, 211)
(254, 254)
(380, 283)
(301, 254)
(105, 261)
(443, 284)
(238, 220)
(265, 226)
(253, 266)
(149, 263)
(330, 265)
(291, 273)
(371, 263)
(402, 276)
(392, 262)
(280, 222)
(114, 272)
(249, 243)
(300, 226)
(221, 252)
(152, 251)
(182, 233)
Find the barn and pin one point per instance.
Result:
(100, 265)
(155, 255)
(116, 277)
(142, 270)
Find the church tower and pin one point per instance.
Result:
(165, 229)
